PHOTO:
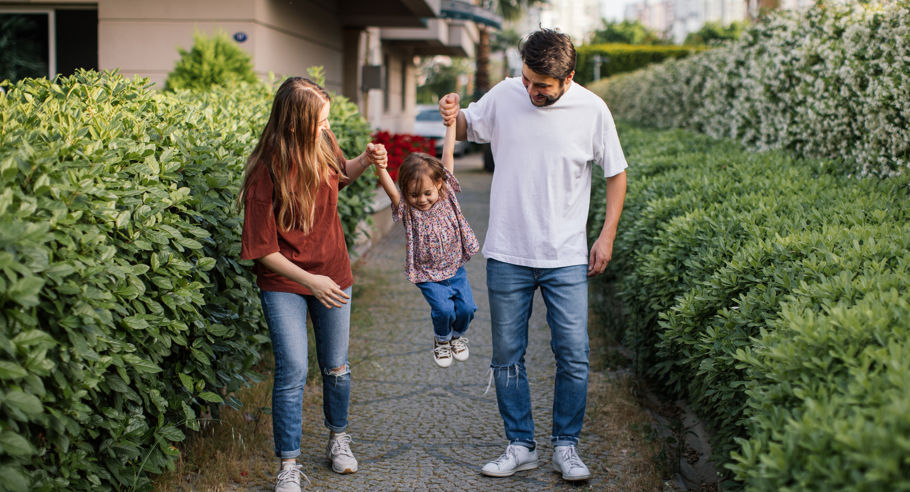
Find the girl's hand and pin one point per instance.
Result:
(327, 291)
(377, 154)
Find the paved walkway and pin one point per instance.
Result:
(419, 427)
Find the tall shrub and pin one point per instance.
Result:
(765, 290)
(828, 83)
(125, 316)
(212, 61)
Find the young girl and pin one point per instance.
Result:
(292, 229)
(440, 242)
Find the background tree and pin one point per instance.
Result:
(440, 75)
(715, 33)
(212, 61)
(509, 10)
(626, 32)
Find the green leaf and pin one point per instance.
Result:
(171, 433)
(26, 403)
(13, 479)
(11, 370)
(186, 380)
(25, 291)
(15, 445)
(211, 397)
(140, 364)
(205, 264)
(135, 323)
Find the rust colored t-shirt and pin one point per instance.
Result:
(321, 252)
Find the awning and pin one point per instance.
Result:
(457, 9)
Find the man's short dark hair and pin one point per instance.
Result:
(549, 52)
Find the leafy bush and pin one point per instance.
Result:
(761, 288)
(622, 58)
(212, 61)
(125, 316)
(400, 145)
(827, 83)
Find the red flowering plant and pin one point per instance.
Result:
(400, 145)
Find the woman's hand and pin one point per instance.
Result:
(327, 291)
(377, 154)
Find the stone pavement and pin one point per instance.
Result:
(416, 426)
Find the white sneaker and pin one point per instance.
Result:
(567, 462)
(338, 450)
(442, 353)
(288, 478)
(460, 349)
(516, 458)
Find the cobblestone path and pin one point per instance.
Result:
(419, 427)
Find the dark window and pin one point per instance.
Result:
(77, 40)
(23, 46)
(28, 50)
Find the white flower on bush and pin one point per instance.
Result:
(831, 82)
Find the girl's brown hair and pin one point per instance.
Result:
(298, 155)
(415, 167)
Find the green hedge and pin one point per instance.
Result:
(125, 316)
(771, 292)
(622, 58)
(827, 83)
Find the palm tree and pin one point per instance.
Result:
(508, 10)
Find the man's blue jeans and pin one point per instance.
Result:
(451, 305)
(565, 293)
(286, 315)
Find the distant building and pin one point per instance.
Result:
(677, 18)
(367, 48)
(573, 17)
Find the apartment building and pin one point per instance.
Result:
(368, 48)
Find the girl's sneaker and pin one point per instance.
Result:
(442, 353)
(460, 349)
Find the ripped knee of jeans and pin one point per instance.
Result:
(340, 372)
(496, 371)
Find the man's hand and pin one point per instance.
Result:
(327, 291)
(449, 107)
(601, 253)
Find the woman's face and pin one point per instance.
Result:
(423, 194)
(324, 118)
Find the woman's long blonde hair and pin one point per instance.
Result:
(298, 155)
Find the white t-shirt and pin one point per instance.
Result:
(542, 181)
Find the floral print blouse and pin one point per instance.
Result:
(440, 241)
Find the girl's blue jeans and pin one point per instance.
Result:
(565, 293)
(286, 315)
(451, 305)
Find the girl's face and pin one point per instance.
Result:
(423, 194)
(324, 118)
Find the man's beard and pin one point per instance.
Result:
(549, 100)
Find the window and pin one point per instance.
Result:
(47, 42)
(404, 86)
(386, 91)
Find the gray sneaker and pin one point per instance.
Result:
(338, 450)
(567, 462)
(289, 478)
(516, 458)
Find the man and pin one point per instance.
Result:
(545, 131)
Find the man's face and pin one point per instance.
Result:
(543, 89)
